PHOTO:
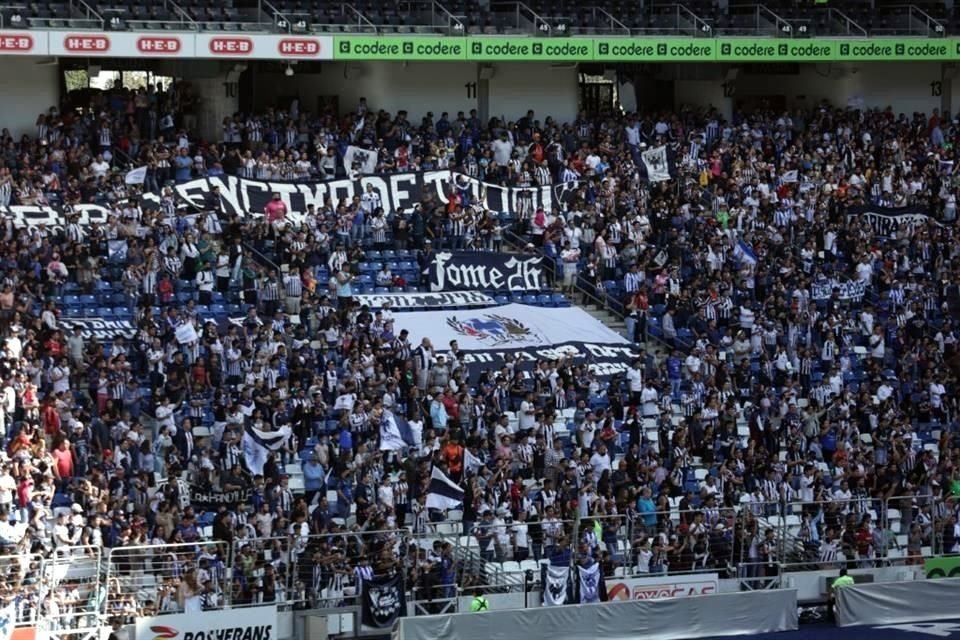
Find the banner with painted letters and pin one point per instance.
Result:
(849, 289)
(99, 329)
(245, 197)
(398, 192)
(214, 499)
(602, 360)
(888, 222)
(422, 301)
(244, 623)
(481, 270)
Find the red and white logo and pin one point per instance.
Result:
(158, 45)
(298, 47)
(16, 43)
(86, 44)
(221, 46)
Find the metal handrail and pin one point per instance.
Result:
(89, 11)
(781, 25)
(522, 12)
(616, 27)
(279, 16)
(453, 22)
(184, 16)
(362, 20)
(930, 25)
(851, 24)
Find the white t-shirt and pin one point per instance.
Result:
(635, 378)
(525, 416)
(100, 169)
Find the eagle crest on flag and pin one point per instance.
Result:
(492, 329)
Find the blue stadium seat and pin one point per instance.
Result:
(105, 312)
(71, 301)
(530, 300)
(560, 300)
(389, 254)
(545, 300)
(502, 299)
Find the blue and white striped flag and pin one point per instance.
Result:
(257, 445)
(442, 492)
(743, 252)
(395, 432)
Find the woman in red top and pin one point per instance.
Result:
(50, 418)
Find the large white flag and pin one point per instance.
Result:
(471, 462)
(257, 445)
(591, 580)
(555, 581)
(395, 432)
(656, 160)
(442, 492)
(134, 176)
(366, 158)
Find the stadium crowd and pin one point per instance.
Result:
(754, 394)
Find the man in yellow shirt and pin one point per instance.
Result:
(841, 581)
(479, 603)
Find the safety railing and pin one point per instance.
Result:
(20, 575)
(176, 577)
(757, 542)
(73, 575)
(262, 570)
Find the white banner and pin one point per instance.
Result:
(849, 289)
(366, 158)
(657, 588)
(421, 301)
(508, 326)
(253, 623)
(657, 164)
(555, 581)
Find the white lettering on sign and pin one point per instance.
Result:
(16, 43)
(938, 629)
(299, 47)
(231, 45)
(86, 43)
(158, 45)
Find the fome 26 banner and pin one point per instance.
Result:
(482, 271)
(245, 197)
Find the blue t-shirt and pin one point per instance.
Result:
(183, 164)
